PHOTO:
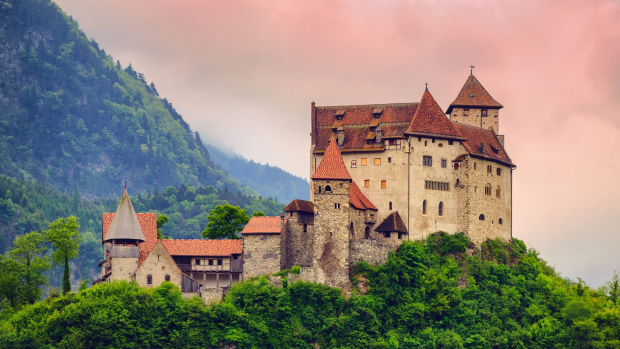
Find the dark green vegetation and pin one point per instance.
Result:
(27, 206)
(267, 180)
(226, 221)
(430, 294)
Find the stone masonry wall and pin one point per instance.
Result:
(158, 264)
(299, 244)
(331, 233)
(372, 251)
(261, 254)
(472, 200)
(475, 118)
(211, 294)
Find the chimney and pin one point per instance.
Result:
(281, 220)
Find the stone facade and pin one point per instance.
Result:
(262, 254)
(158, 265)
(375, 252)
(299, 240)
(474, 118)
(123, 268)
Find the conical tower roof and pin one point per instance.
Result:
(429, 120)
(125, 224)
(332, 166)
(473, 94)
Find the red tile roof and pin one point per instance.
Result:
(198, 247)
(392, 223)
(481, 98)
(148, 223)
(483, 144)
(430, 120)
(357, 121)
(358, 200)
(332, 166)
(264, 225)
(300, 205)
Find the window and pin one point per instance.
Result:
(475, 166)
(427, 161)
(501, 221)
(366, 183)
(353, 163)
(197, 261)
(149, 279)
(433, 140)
(383, 184)
(340, 185)
(450, 142)
(363, 161)
(444, 163)
(336, 206)
(484, 113)
(424, 207)
(441, 208)
(390, 205)
(392, 144)
(465, 112)
(440, 145)
(210, 261)
(481, 217)
(456, 165)
(489, 169)
(291, 213)
(328, 189)
(219, 262)
(425, 143)
(487, 189)
(419, 139)
(499, 171)
(305, 228)
(389, 160)
(475, 189)
(377, 161)
(387, 234)
(434, 185)
(498, 192)
(319, 189)
(167, 277)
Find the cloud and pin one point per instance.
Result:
(244, 74)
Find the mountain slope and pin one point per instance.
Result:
(268, 181)
(72, 118)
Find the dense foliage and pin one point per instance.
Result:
(267, 180)
(431, 294)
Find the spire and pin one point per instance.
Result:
(473, 94)
(125, 224)
(332, 166)
(429, 120)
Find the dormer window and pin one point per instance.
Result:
(377, 112)
(340, 114)
(472, 95)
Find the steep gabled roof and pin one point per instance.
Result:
(430, 120)
(148, 223)
(300, 205)
(358, 200)
(332, 166)
(125, 224)
(198, 247)
(483, 143)
(264, 225)
(473, 94)
(392, 223)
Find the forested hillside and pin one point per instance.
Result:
(431, 294)
(73, 118)
(267, 180)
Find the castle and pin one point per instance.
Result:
(380, 174)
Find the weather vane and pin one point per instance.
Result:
(472, 69)
(125, 184)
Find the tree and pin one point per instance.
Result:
(27, 251)
(225, 221)
(258, 214)
(611, 288)
(161, 220)
(64, 234)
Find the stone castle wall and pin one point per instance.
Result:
(473, 201)
(299, 244)
(475, 118)
(158, 264)
(262, 254)
(372, 251)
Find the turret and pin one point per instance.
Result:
(474, 106)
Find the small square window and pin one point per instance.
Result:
(210, 261)
(383, 184)
(450, 142)
(377, 161)
(366, 183)
(353, 163)
(444, 163)
(363, 161)
(427, 161)
(197, 261)
(485, 113)
(389, 160)
(465, 112)
(219, 262)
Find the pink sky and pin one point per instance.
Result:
(243, 74)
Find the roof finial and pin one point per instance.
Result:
(125, 185)
(426, 89)
(472, 69)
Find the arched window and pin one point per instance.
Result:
(328, 189)
(390, 205)
(500, 221)
(441, 208)
(481, 217)
(367, 233)
(167, 277)
(149, 279)
(424, 207)
(498, 192)
(487, 189)
(305, 228)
